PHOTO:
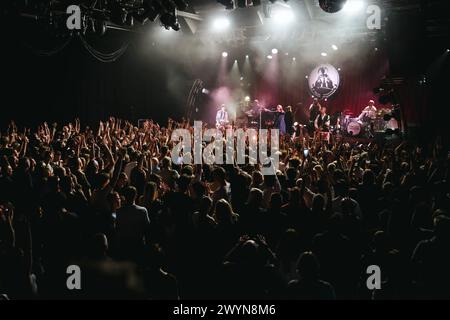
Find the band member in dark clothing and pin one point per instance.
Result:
(289, 120)
(322, 122)
(314, 111)
(280, 119)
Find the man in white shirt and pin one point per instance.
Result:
(221, 117)
(370, 111)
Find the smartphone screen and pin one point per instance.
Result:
(306, 152)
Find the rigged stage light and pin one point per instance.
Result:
(169, 20)
(332, 6)
(169, 16)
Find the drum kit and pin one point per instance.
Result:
(364, 126)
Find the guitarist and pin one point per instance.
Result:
(222, 117)
(322, 123)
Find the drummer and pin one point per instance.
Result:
(369, 112)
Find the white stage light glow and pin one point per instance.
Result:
(324, 54)
(221, 24)
(353, 6)
(334, 47)
(282, 15)
(269, 57)
(224, 54)
(274, 51)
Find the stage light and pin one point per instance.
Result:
(224, 54)
(205, 91)
(332, 6)
(242, 78)
(246, 56)
(269, 57)
(339, 69)
(353, 6)
(221, 24)
(306, 77)
(282, 15)
(334, 47)
(169, 19)
(274, 51)
(324, 54)
(235, 60)
(448, 50)
(247, 99)
(286, 54)
(293, 59)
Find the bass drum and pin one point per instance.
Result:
(392, 124)
(354, 128)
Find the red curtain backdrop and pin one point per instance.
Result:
(358, 78)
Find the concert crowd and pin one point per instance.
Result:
(110, 200)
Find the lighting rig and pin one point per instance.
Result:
(97, 15)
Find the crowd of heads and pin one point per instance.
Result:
(110, 200)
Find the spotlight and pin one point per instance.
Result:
(221, 24)
(306, 77)
(242, 78)
(448, 50)
(324, 54)
(246, 56)
(274, 51)
(334, 47)
(281, 15)
(224, 54)
(247, 99)
(269, 57)
(332, 6)
(339, 69)
(229, 4)
(256, 3)
(353, 6)
(205, 91)
(293, 59)
(169, 19)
